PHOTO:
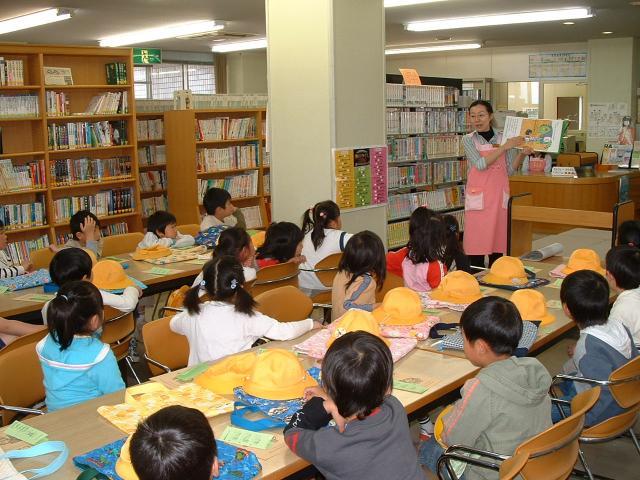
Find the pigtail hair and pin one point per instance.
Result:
(243, 302)
(318, 218)
(192, 300)
(307, 220)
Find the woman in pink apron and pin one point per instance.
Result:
(487, 189)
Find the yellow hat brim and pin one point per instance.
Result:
(500, 280)
(442, 296)
(124, 468)
(124, 283)
(222, 384)
(383, 318)
(568, 270)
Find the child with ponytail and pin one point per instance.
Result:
(77, 366)
(227, 324)
(322, 226)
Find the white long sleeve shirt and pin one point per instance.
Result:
(125, 302)
(626, 310)
(218, 330)
(150, 239)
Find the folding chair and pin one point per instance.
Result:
(118, 330)
(326, 270)
(189, 229)
(274, 276)
(41, 258)
(285, 304)
(390, 282)
(119, 244)
(165, 350)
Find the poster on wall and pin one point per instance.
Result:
(606, 119)
(558, 65)
(360, 176)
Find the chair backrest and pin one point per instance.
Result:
(21, 379)
(327, 268)
(164, 346)
(118, 244)
(118, 328)
(189, 229)
(41, 258)
(285, 304)
(625, 387)
(275, 276)
(391, 281)
(553, 453)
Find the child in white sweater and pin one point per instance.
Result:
(161, 230)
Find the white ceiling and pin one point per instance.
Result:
(95, 19)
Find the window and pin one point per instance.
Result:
(158, 82)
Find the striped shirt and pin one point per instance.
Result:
(473, 156)
(7, 269)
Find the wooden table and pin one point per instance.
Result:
(83, 429)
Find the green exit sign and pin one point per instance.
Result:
(146, 56)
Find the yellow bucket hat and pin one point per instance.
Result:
(157, 251)
(227, 374)
(91, 254)
(532, 306)
(124, 467)
(457, 287)
(401, 306)
(257, 238)
(109, 275)
(277, 374)
(584, 259)
(354, 320)
(507, 271)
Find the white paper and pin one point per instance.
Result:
(544, 252)
(542, 135)
(605, 119)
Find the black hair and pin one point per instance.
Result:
(68, 314)
(629, 233)
(586, 295)
(316, 219)
(364, 253)
(495, 320)
(281, 241)
(1, 224)
(70, 265)
(623, 263)
(482, 103)
(231, 242)
(159, 221)
(426, 236)
(453, 247)
(77, 220)
(174, 443)
(357, 372)
(215, 198)
(223, 278)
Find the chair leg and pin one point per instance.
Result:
(583, 460)
(635, 439)
(127, 360)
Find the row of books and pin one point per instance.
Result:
(103, 203)
(108, 103)
(223, 101)
(421, 95)
(266, 157)
(252, 216)
(150, 129)
(106, 230)
(225, 128)
(266, 183)
(214, 159)
(239, 186)
(398, 232)
(409, 175)
(401, 206)
(405, 121)
(19, 252)
(16, 216)
(410, 149)
(89, 170)
(11, 72)
(449, 171)
(153, 180)
(19, 106)
(116, 73)
(152, 155)
(153, 204)
(24, 176)
(76, 135)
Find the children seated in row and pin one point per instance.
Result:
(623, 273)
(161, 230)
(77, 366)
(604, 344)
(370, 438)
(361, 273)
(220, 210)
(228, 323)
(322, 237)
(282, 244)
(7, 268)
(629, 233)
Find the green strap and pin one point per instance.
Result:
(90, 474)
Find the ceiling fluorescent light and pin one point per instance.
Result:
(501, 19)
(239, 46)
(404, 3)
(34, 19)
(431, 48)
(167, 31)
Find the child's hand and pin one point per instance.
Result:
(28, 266)
(298, 259)
(311, 392)
(54, 248)
(331, 408)
(139, 291)
(571, 349)
(316, 325)
(88, 227)
(527, 151)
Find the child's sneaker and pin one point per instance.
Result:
(426, 429)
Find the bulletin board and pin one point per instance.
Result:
(360, 176)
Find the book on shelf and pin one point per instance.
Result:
(409, 175)
(116, 73)
(26, 176)
(150, 129)
(405, 121)
(266, 157)
(225, 128)
(23, 215)
(103, 203)
(253, 216)
(214, 159)
(89, 170)
(153, 180)
(445, 171)
(421, 95)
(20, 252)
(57, 76)
(11, 72)
(118, 228)
(226, 101)
(152, 155)
(153, 204)
(238, 186)
(77, 135)
(108, 103)
(266, 179)
(403, 149)
(401, 206)
(19, 106)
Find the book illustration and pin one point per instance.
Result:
(541, 135)
(627, 134)
(57, 76)
(616, 154)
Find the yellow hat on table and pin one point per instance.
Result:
(507, 271)
(354, 320)
(278, 375)
(109, 275)
(532, 306)
(157, 251)
(227, 374)
(583, 259)
(457, 287)
(124, 468)
(401, 306)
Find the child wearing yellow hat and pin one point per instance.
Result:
(371, 438)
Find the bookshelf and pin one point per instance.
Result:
(426, 164)
(63, 150)
(152, 162)
(226, 151)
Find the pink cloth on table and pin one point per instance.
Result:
(419, 330)
(557, 272)
(428, 302)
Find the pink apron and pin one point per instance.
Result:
(485, 206)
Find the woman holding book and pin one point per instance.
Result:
(487, 189)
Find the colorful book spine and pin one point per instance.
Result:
(19, 106)
(19, 252)
(225, 128)
(238, 186)
(230, 158)
(103, 203)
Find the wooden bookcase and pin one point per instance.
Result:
(26, 139)
(182, 169)
(143, 167)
